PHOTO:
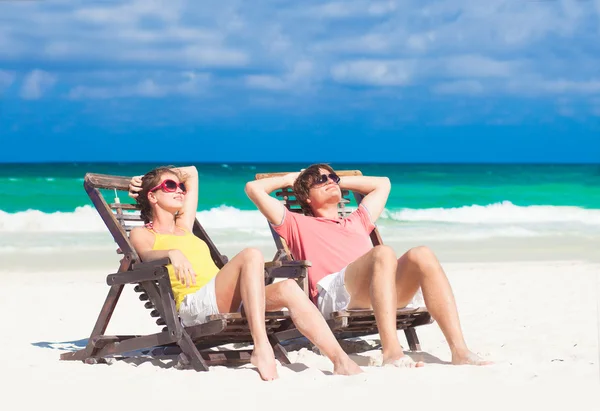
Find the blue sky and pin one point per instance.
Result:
(370, 81)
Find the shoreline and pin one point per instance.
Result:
(102, 254)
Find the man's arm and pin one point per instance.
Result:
(259, 192)
(375, 189)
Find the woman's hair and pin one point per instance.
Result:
(305, 181)
(150, 180)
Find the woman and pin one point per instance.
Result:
(168, 198)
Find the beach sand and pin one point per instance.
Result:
(537, 319)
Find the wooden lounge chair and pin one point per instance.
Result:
(151, 280)
(347, 323)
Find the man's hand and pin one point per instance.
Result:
(135, 186)
(290, 179)
(183, 268)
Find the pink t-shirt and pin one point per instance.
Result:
(329, 245)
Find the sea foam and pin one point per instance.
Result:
(516, 219)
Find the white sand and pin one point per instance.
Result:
(537, 320)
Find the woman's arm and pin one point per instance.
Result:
(187, 216)
(143, 242)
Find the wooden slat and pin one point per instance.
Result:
(104, 181)
(124, 206)
(341, 173)
(367, 312)
(128, 217)
(279, 315)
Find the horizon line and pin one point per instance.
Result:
(29, 163)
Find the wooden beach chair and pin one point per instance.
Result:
(151, 281)
(347, 323)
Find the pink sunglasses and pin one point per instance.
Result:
(169, 186)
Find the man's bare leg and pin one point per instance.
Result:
(310, 323)
(371, 282)
(242, 279)
(420, 267)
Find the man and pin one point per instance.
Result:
(347, 271)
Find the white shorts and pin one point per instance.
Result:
(196, 307)
(332, 294)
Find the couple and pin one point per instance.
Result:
(347, 271)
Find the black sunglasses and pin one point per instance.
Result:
(323, 179)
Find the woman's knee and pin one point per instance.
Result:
(383, 254)
(288, 289)
(252, 255)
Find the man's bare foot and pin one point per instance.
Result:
(263, 358)
(346, 367)
(469, 358)
(404, 361)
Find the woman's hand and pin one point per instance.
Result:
(183, 268)
(135, 186)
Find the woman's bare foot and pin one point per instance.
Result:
(469, 358)
(402, 361)
(263, 358)
(346, 367)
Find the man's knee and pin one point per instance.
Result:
(421, 256)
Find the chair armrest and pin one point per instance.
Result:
(292, 263)
(287, 269)
(153, 263)
(137, 275)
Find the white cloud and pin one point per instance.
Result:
(468, 87)
(530, 86)
(155, 86)
(468, 46)
(401, 72)
(542, 86)
(36, 83)
(348, 9)
(477, 66)
(293, 80)
(6, 79)
(122, 32)
(374, 72)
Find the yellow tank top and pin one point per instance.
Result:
(197, 252)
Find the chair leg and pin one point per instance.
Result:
(190, 353)
(279, 351)
(413, 340)
(99, 328)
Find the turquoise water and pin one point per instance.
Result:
(58, 187)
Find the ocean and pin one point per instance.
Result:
(44, 206)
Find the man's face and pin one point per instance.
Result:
(325, 191)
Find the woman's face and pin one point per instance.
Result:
(169, 193)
